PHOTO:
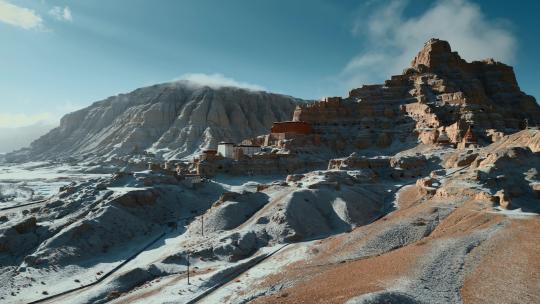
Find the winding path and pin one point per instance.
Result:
(22, 205)
(230, 277)
(111, 272)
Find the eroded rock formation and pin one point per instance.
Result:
(439, 94)
(172, 119)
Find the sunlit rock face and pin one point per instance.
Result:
(439, 92)
(482, 93)
(172, 119)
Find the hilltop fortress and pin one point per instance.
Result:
(440, 100)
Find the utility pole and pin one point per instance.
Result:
(202, 224)
(188, 267)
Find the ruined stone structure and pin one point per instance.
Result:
(191, 180)
(328, 109)
(469, 140)
(249, 150)
(297, 127)
(284, 132)
(209, 154)
(269, 163)
(439, 94)
(433, 101)
(394, 167)
(482, 93)
(442, 138)
(231, 150)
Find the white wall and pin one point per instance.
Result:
(250, 150)
(226, 150)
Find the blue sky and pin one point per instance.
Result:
(57, 56)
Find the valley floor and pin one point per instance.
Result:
(330, 236)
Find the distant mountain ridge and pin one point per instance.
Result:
(12, 139)
(173, 120)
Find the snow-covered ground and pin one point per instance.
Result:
(27, 182)
(142, 226)
(239, 232)
(246, 183)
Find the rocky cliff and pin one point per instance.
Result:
(172, 120)
(480, 93)
(438, 91)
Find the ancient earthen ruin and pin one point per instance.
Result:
(436, 101)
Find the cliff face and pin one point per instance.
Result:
(482, 93)
(173, 120)
(439, 90)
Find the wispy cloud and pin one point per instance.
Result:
(15, 138)
(19, 16)
(217, 81)
(61, 14)
(392, 39)
(18, 120)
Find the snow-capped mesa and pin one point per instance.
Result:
(171, 120)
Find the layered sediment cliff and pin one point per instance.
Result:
(438, 91)
(173, 120)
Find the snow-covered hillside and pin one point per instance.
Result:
(173, 120)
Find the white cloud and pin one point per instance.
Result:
(19, 16)
(11, 120)
(15, 138)
(392, 40)
(61, 14)
(217, 81)
(18, 120)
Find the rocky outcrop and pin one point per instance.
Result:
(526, 138)
(507, 169)
(481, 93)
(399, 166)
(439, 94)
(172, 120)
(354, 161)
(460, 159)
